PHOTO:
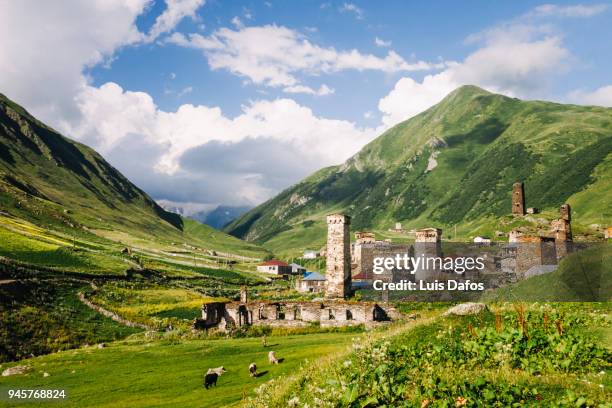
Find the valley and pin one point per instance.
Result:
(107, 295)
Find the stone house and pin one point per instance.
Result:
(311, 282)
(274, 267)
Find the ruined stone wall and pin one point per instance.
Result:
(534, 251)
(297, 314)
(338, 272)
(383, 249)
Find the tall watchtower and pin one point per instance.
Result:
(338, 271)
(518, 199)
(566, 212)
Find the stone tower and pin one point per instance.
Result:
(566, 212)
(428, 244)
(244, 295)
(518, 199)
(338, 272)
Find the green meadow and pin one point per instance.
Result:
(170, 373)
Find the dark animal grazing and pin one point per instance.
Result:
(253, 370)
(210, 379)
(211, 376)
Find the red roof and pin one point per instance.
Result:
(360, 276)
(273, 262)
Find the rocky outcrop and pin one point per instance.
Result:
(16, 370)
(466, 309)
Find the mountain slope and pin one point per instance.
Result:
(454, 164)
(53, 182)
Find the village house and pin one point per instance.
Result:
(310, 254)
(297, 269)
(274, 267)
(311, 282)
(484, 241)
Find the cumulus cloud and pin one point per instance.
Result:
(175, 11)
(273, 55)
(513, 59)
(272, 133)
(44, 52)
(601, 96)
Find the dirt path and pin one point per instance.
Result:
(108, 313)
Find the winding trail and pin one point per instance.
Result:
(108, 313)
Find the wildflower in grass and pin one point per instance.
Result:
(460, 402)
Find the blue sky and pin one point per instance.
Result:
(421, 30)
(225, 102)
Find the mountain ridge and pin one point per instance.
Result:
(453, 164)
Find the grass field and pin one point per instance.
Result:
(153, 305)
(42, 317)
(169, 374)
(548, 355)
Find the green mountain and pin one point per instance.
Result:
(453, 166)
(53, 182)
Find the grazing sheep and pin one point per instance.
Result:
(210, 379)
(272, 358)
(218, 370)
(211, 376)
(253, 370)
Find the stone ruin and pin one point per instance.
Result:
(542, 250)
(335, 310)
(428, 243)
(223, 315)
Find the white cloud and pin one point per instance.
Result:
(382, 43)
(601, 96)
(185, 91)
(273, 55)
(175, 11)
(509, 63)
(116, 121)
(322, 91)
(577, 10)
(236, 22)
(44, 52)
(352, 8)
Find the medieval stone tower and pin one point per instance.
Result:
(566, 212)
(428, 244)
(338, 272)
(518, 199)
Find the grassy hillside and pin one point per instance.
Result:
(129, 374)
(39, 317)
(553, 355)
(54, 183)
(584, 276)
(454, 165)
